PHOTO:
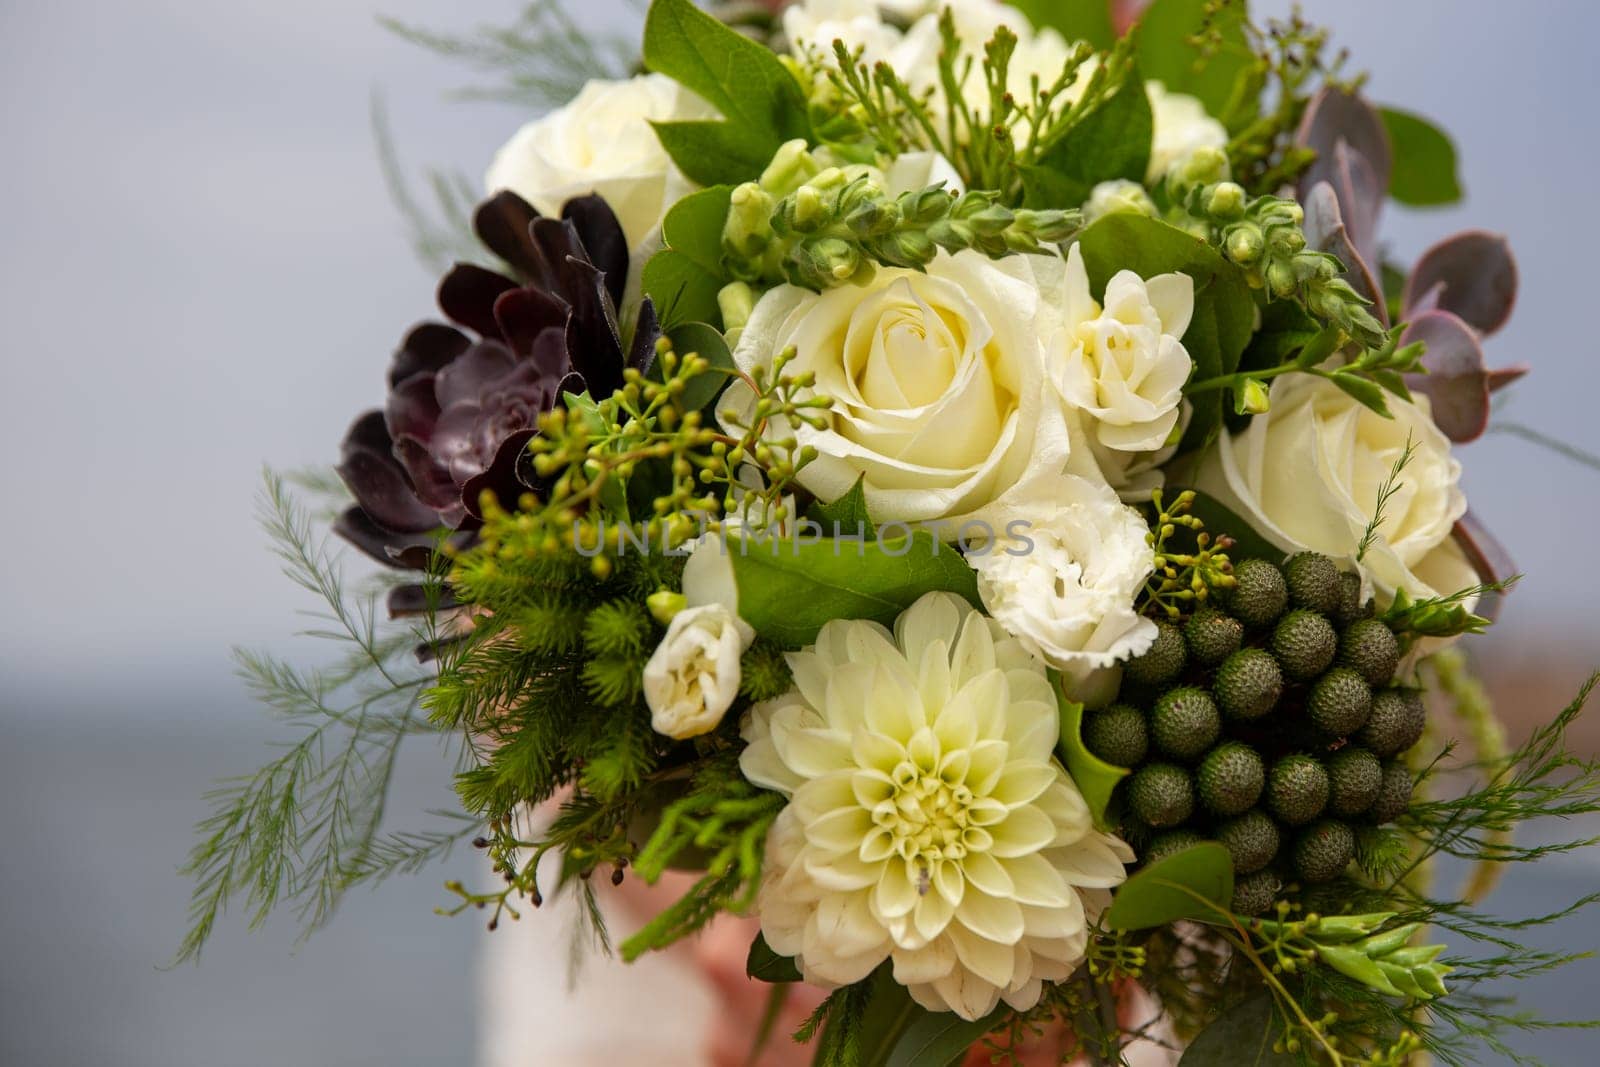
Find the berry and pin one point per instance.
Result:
(1396, 723)
(1259, 593)
(1185, 723)
(1117, 735)
(1339, 702)
(1394, 794)
(1231, 778)
(1371, 649)
(1212, 636)
(1255, 893)
(1167, 844)
(1323, 852)
(1162, 662)
(1304, 644)
(1251, 839)
(1354, 777)
(1297, 789)
(1248, 684)
(1313, 581)
(1161, 795)
(1351, 607)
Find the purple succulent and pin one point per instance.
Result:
(465, 402)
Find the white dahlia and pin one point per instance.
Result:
(928, 822)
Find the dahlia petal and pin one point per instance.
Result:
(996, 918)
(1024, 830)
(1021, 783)
(1035, 881)
(987, 874)
(926, 964)
(896, 892)
(932, 915)
(992, 961)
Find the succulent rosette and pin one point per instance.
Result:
(1019, 572)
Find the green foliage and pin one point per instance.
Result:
(760, 100)
(309, 825)
(683, 279)
(1200, 47)
(1196, 883)
(1076, 20)
(1112, 141)
(1224, 312)
(696, 339)
(1424, 173)
(789, 588)
(765, 965)
(1095, 778)
(1247, 1033)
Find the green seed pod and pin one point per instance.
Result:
(1297, 790)
(1212, 636)
(1394, 794)
(1351, 607)
(1259, 595)
(1339, 702)
(1396, 723)
(1161, 795)
(1354, 777)
(1118, 735)
(1162, 662)
(1304, 643)
(1313, 581)
(1255, 893)
(1248, 684)
(1173, 841)
(1370, 647)
(1252, 840)
(1185, 723)
(1322, 852)
(1231, 778)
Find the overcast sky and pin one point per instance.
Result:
(200, 273)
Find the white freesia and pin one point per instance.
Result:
(1181, 125)
(1306, 475)
(602, 143)
(1124, 364)
(693, 675)
(816, 24)
(928, 821)
(1064, 583)
(1119, 194)
(937, 380)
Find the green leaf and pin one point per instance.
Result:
(1242, 1037)
(1364, 391)
(941, 1039)
(1165, 53)
(765, 965)
(1196, 883)
(846, 515)
(1112, 141)
(755, 93)
(1424, 173)
(684, 278)
(1220, 519)
(1094, 777)
(1077, 20)
(788, 588)
(1224, 311)
(698, 338)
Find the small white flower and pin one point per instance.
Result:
(1116, 195)
(816, 24)
(1181, 126)
(928, 822)
(1124, 364)
(1064, 583)
(693, 676)
(602, 143)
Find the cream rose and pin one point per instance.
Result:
(1063, 584)
(693, 676)
(937, 380)
(602, 143)
(1306, 475)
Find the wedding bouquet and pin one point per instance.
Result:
(970, 485)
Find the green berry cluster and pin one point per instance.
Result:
(1268, 721)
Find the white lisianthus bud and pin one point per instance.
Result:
(693, 676)
(1108, 198)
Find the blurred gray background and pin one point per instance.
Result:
(200, 272)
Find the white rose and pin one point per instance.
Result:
(858, 23)
(1181, 126)
(693, 675)
(1064, 582)
(602, 143)
(1306, 475)
(1124, 365)
(937, 383)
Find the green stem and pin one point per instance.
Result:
(1229, 380)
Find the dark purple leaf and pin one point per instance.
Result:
(507, 477)
(504, 223)
(408, 601)
(1457, 383)
(1333, 116)
(384, 545)
(1501, 377)
(467, 294)
(603, 240)
(377, 481)
(429, 346)
(1475, 276)
(1488, 558)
